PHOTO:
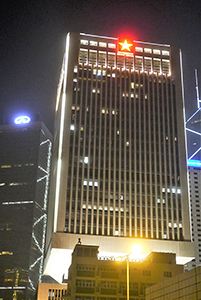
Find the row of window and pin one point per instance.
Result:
(113, 46)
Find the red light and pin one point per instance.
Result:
(125, 46)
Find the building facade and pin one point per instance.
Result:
(25, 153)
(194, 172)
(119, 157)
(183, 286)
(99, 279)
(51, 291)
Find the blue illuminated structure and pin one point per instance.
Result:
(194, 163)
(193, 129)
(22, 120)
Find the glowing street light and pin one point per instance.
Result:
(136, 251)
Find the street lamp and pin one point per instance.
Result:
(136, 251)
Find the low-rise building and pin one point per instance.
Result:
(98, 278)
(182, 286)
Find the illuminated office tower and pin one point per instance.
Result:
(193, 130)
(194, 172)
(25, 153)
(119, 171)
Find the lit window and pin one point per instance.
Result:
(5, 166)
(156, 51)
(138, 49)
(82, 128)
(17, 183)
(164, 52)
(103, 111)
(132, 85)
(99, 72)
(113, 46)
(147, 50)
(75, 69)
(2, 183)
(72, 127)
(101, 44)
(117, 132)
(84, 42)
(94, 90)
(94, 71)
(93, 43)
(127, 143)
(6, 253)
(122, 197)
(113, 75)
(86, 160)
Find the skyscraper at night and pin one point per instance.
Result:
(119, 172)
(25, 153)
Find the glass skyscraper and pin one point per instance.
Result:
(25, 153)
(119, 158)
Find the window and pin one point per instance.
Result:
(167, 274)
(147, 50)
(101, 44)
(93, 43)
(165, 52)
(84, 42)
(146, 273)
(156, 51)
(111, 45)
(138, 49)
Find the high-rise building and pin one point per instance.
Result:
(193, 132)
(119, 171)
(25, 153)
(194, 173)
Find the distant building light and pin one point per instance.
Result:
(22, 120)
(86, 160)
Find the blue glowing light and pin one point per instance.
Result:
(194, 163)
(22, 120)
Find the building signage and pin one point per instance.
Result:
(22, 120)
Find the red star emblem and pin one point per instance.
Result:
(125, 46)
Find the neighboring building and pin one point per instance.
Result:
(25, 153)
(98, 279)
(119, 171)
(183, 286)
(193, 132)
(194, 171)
(53, 291)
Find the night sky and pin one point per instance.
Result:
(32, 43)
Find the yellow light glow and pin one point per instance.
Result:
(136, 250)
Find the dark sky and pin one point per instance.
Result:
(32, 41)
